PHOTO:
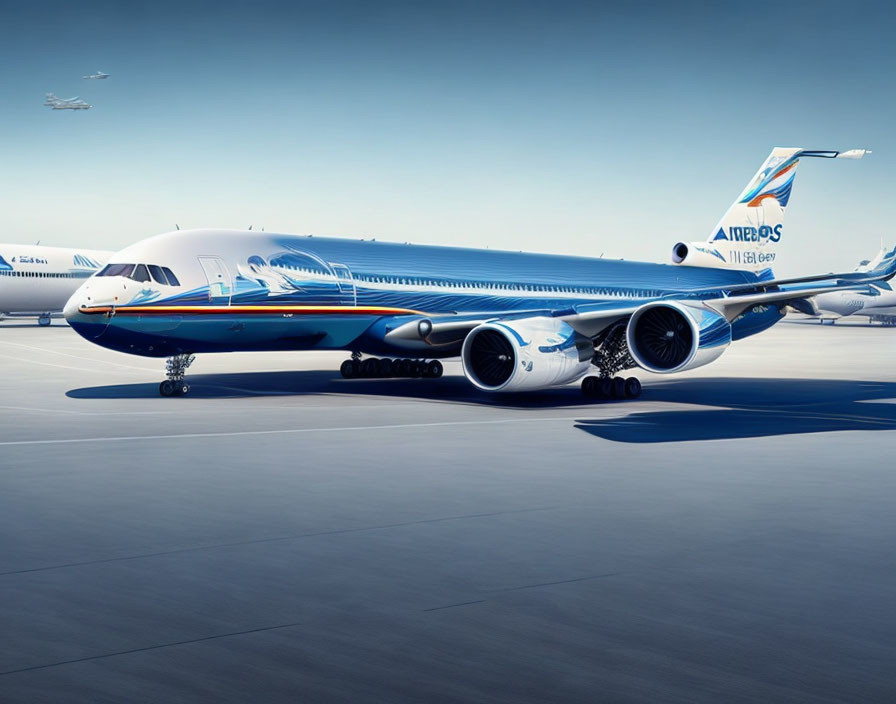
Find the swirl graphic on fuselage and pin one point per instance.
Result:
(289, 276)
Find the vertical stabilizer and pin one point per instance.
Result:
(748, 234)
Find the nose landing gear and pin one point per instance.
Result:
(176, 367)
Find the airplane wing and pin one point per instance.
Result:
(420, 331)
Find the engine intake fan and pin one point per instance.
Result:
(672, 337)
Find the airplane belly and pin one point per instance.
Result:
(157, 335)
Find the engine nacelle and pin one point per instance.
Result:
(698, 254)
(524, 355)
(666, 337)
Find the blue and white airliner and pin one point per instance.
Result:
(518, 321)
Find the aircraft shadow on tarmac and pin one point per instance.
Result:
(738, 408)
(452, 389)
(747, 408)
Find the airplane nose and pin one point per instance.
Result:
(70, 310)
(88, 325)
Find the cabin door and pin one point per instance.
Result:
(346, 283)
(220, 285)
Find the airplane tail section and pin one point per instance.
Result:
(748, 234)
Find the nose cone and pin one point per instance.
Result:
(70, 310)
(76, 311)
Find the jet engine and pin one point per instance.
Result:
(668, 337)
(526, 354)
(698, 254)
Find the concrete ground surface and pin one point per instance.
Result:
(282, 534)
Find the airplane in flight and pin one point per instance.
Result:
(52, 100)
(65, 103)
(99, 75)
(518, 321)
(37, 280)
(876, 301)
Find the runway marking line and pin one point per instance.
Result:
(149, 647)
(283, 538)
(288, 431)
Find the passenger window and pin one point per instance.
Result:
(172, 279)
(157, 274)
(140, 274)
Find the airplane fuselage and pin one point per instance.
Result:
(242, 290)
(36, 279)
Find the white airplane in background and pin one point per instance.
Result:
(53, 99)
(66, 103)
(37, 280)
(99, 75)
(877, 301)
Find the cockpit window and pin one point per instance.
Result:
(117, 270)
(140, 274)
(157, 274)
(172, 279)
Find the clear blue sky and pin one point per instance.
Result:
(561, 127)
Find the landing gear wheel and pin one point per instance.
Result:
(604, 387)
(589, 386)
(617, 387)
(632, 387)
(166, 388)
(44, 320)
(349, 369)
(434, 369)
(416, 369)
(385, 368)
(182, 389)
(370, 367)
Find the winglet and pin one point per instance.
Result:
(853, 154)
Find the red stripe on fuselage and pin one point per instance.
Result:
(247, 310)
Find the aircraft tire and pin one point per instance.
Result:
(617, 387)
(434, 369)
(44, 321)
(370, 368)
(589, 387)
(166, 388)
(632, 387)
(604, 387)
(384, 369)
(416, 370)
(402, 367)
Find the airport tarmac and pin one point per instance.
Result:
(282, 534)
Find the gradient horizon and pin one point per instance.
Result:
(567, 128)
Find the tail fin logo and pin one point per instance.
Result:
(750, 234)
(774, 182)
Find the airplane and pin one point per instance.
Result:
(37, 280)
(99, 75)
(52, 100)
(65, 103)
(876, 301)
(518, 321)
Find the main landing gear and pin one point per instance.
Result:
(611, 357)
(611, 387)
(176, 367)
(44, 320)
(373, 368)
